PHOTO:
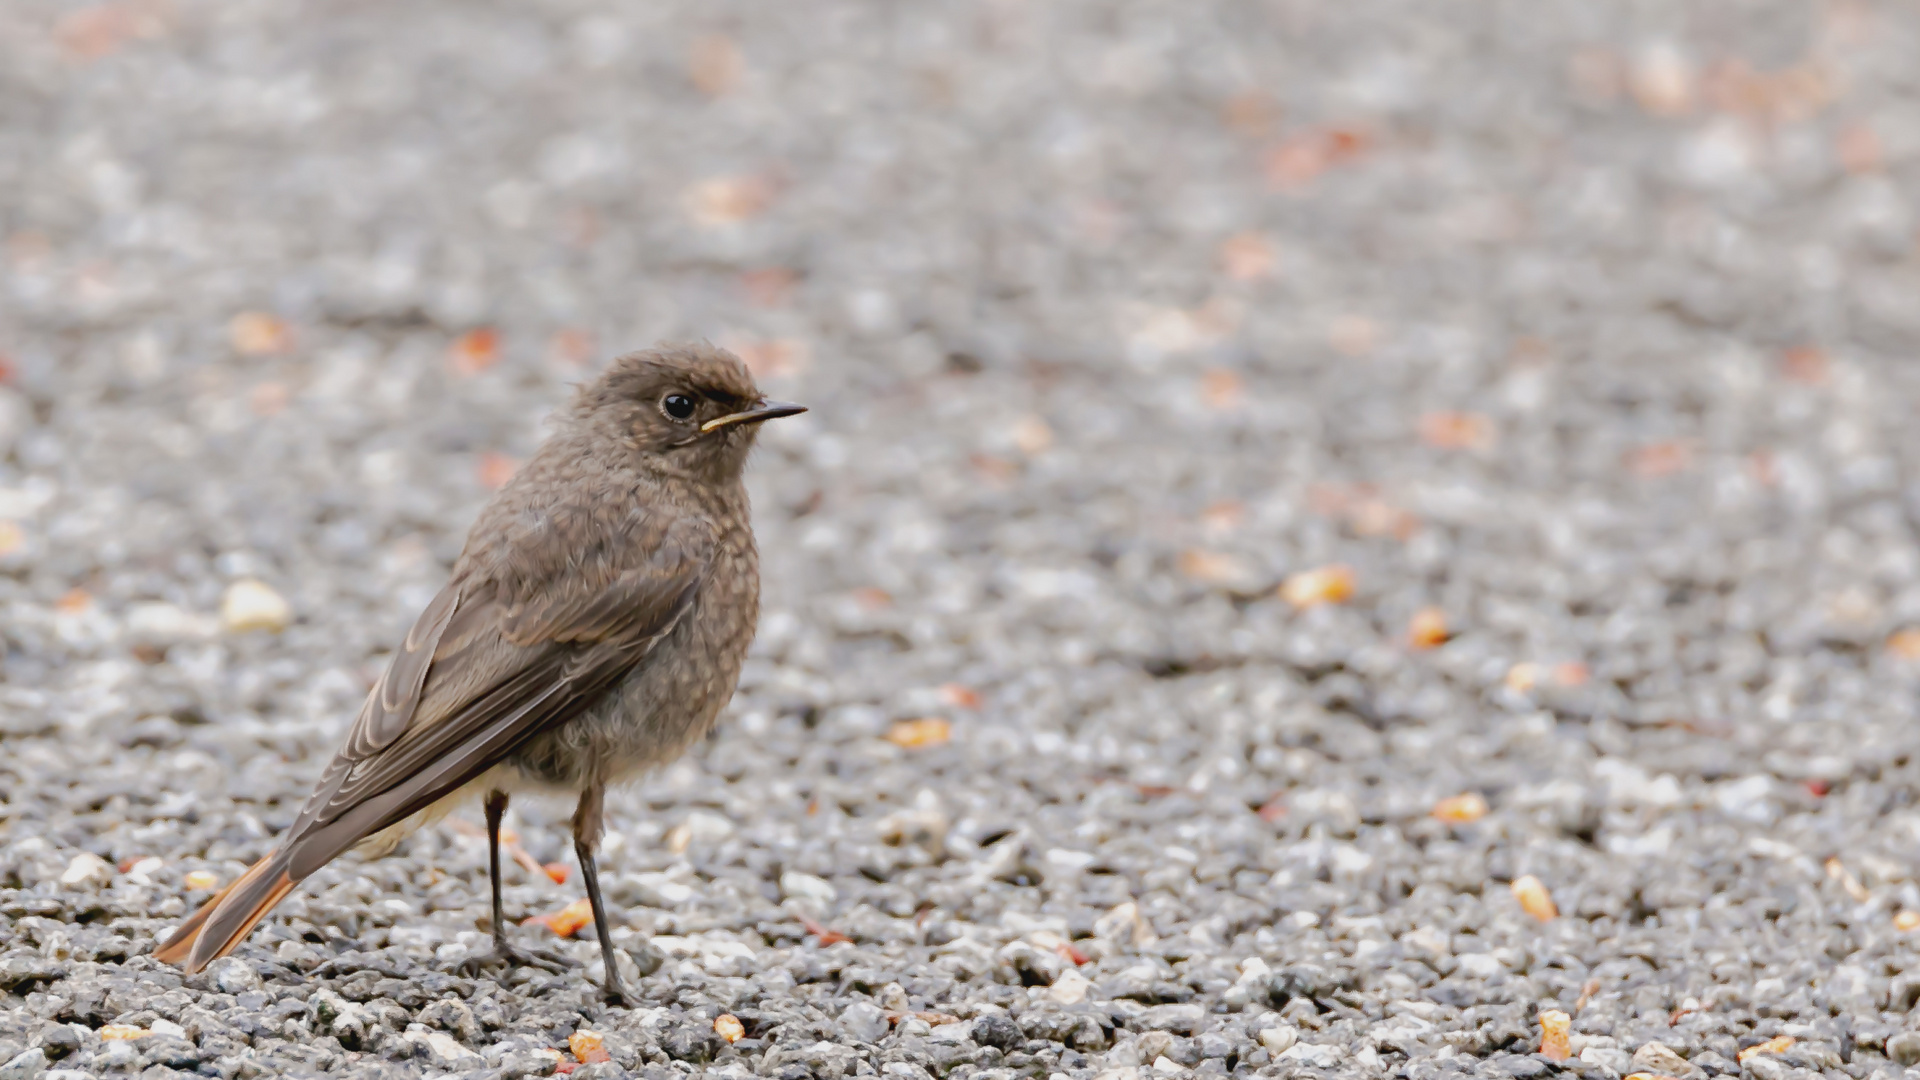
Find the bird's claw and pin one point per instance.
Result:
(512, 956)
(613, 993)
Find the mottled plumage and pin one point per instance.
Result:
(593, 628)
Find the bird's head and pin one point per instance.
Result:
(691, 409)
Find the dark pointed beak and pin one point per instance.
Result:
(764, 410)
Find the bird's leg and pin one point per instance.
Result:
(496, 807)
(587, 824)
(503, 952)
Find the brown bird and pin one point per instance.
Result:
(591, 630)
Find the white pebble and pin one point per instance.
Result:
(795, 885)
(233, 975)
(86, 868)
(1278, 1040)
(252, 605)
(1070, 988)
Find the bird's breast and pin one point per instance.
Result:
(672, 698)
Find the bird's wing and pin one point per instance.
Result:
(489, 664)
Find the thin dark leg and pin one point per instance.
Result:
(586, 837)
(504, 952)
(496, 807)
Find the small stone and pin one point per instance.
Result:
(1125, 924)
(1461, 809)
(998, 1032)
(1613, 1060)
(1278, 1040)
(1323, 585)
(251, 605)
(257, 333)
(591, 1046)
(165, 624)
(1521, 1066)
(1661, 79)
(795, 885)
(86, 869)
(1428, 628)
(25, 1066)
(1711, 1063)
(1903, 1048)
(1660, 1059)
(1779, 1044)
(1554, 1025)
(170, 1052)
(1534, 898)
(864, 1022)
(1070, 988)
(693, 1043)
(233, 975)
(59, 1041)
(200, 879)
(1318, 1055)
(919, 733)
(1185, 1019)
(536, 1062)
(442, 1049)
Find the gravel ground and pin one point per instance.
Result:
(1574, 332)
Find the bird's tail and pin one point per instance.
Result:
(223, 922)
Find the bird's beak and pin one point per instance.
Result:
(764, 410)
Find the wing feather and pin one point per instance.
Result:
(484, 670)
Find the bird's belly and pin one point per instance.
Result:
(666, 704)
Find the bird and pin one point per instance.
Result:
(591, 630)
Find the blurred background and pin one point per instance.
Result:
(1300, 412)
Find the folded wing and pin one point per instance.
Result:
(496, 658)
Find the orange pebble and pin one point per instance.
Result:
(1332, 584)
(474, 351)
(729, 1027)
(1471, 806)
(1554, 1026)
(1428, 628)
(566, 922)
(588, 1046)
(1779, 1044)
(255, 333)
(1534, 898)
(1905, 644)
(924, 732)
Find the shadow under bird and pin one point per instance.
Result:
(592, 629)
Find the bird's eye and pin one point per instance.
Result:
(678, 406)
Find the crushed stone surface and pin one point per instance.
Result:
(1239, 432)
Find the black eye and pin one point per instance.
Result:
(678, 406)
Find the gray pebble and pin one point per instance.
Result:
(1905, 1047)
(25, 1066)
(864, 1021)
(998, 1032)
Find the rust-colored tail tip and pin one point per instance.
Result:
(186, 950)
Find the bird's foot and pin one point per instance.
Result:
(503, 954)
(614, 993)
